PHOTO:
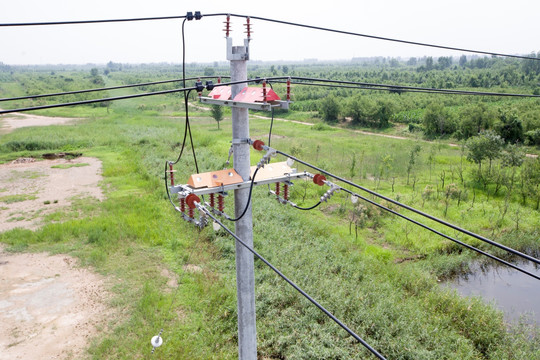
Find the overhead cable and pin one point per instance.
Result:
(79, 22)
(377, 37)
(431, 217)
(107, 88)
(277, 22)
(123, 97)
(470, 247)
(296, 287)
(399, 89)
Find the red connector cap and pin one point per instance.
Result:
(258, 145)
(319, 179)
(191, 199)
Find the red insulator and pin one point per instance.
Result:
(264, 90)
(319, 179)
(212, 200)
(191, 199)
(172, 174)
(182, 205)
(277, 189)
(221, 203)
(286, 191)
(248, 28)
(191, 213)
(258, 145)
(288, 89)
(227, 26)
(219, 80)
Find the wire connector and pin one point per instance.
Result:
(270, 152)
(327, 195)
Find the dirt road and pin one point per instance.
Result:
(14, 121)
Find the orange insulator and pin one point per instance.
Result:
(286, 191)
(212, 200)
(277, 189)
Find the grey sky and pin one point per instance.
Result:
(496, 25)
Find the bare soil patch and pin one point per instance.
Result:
(49, 307)
(30, 190)
(14, 121)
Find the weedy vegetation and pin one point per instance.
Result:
(376, 272)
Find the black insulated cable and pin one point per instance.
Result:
(93, 101)
(296, 287)
(249, 197)
(306, 208)
(431, 217)
(107, 88)
(79, 22)
(470, 247)
(402, 89)
(198, 16)
(377, 37)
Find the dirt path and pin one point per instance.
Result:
(30, 189)
(49, 307)
(14, 121)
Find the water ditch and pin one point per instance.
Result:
(516, 294)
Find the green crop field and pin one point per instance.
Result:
(377, 273)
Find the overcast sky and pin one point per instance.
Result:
(489, 25)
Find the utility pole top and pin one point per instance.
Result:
(237, 52)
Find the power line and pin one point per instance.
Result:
(378, 37)
(431, 217)
(79, 22)
(470, 247)
(400, 88)
(124, 97)
(296, 287)
(107, 88)
(277, 22)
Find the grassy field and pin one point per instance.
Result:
(372, 270)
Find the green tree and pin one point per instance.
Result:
(330, 109)
(438, 120)
(208, 71)
(487, 145)
(429, 63)
(361, 109)
(217, 114)
(462, 60)
(384, 112)
(413, 155)
(509, 127)
(474, 119)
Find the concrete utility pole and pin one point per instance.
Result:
(245, 273)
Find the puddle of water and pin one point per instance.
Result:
(513, 292)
